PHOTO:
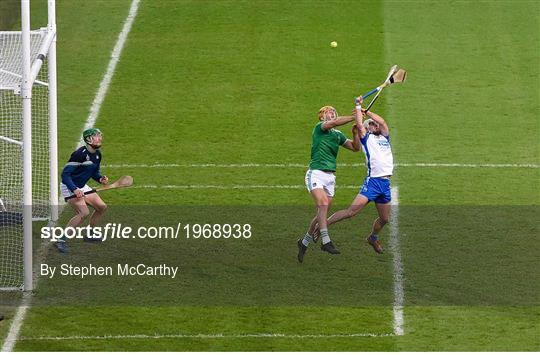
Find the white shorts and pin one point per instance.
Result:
(318, 179)
(67, 194)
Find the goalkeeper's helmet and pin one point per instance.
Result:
(327, 113)
(92, 137)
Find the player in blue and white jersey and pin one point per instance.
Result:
(83, 165)
(375, 140)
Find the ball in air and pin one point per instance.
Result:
(333, 44)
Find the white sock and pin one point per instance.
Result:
(307, 239)
(325, 237)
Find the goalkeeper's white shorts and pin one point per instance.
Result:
(67, 194)
(318, 179)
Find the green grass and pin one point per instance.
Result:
(429, 328)
(470, 329)
(240, 82)
(9, 11)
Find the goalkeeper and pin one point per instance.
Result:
(320, 178)
(83, 164)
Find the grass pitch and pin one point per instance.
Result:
(240, 82)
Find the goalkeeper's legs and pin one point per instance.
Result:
(81, 211)
(99, 208)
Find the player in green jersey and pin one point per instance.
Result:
(320, 178)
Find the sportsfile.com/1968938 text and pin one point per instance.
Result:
(120, 231)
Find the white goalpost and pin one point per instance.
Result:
(28, 143)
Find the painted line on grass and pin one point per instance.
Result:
(467, 165)
(16, 324)
(297, 165)
(208, 336)
(399, 291)
(20, 314)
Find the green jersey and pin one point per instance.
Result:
(324, 148)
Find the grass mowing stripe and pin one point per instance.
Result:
(246, 63)
(478, 62)
(210, 336)
(466, 165)
(111, 68)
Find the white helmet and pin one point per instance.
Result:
(367, 122)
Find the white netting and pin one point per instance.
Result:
(11, 164)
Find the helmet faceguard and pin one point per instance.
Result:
(327, 113)
(92, 137)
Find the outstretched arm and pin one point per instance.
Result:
(340, 121)
(380, 121)
(354, 143)
(358, 129)
(359, 116)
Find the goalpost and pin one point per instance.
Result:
(28, 143)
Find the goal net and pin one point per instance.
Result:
(11, 152)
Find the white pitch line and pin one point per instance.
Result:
(210, 336)
(297, 165)
(399, 292)
(467, 165)
(16, 324)
(18, 320)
